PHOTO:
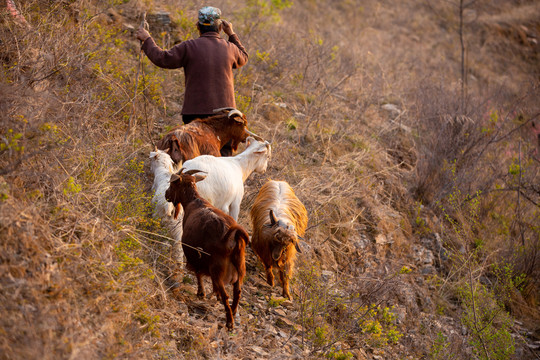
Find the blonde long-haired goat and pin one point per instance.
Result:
(279, 219)
(163, 167)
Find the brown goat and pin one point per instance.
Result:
(278, 220)
(206, 136)
(214, 244)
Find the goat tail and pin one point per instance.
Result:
(236, 239)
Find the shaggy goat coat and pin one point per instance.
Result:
(163, 167)
(278, 218)
(204, 136)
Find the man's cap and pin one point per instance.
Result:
(208, 15)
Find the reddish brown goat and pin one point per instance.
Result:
(214, 244)
(206, 136)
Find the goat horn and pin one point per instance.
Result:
(272, 217)
(155, 148)
(235, 112)
(194, 171)
(223, 109)
(174, 177)
(257, 137)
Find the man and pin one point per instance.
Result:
(208, 62)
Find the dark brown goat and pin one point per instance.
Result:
(214, 244)
(206, 136)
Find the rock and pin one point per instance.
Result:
(423, 255)
(392, 109)
(279, 311)
(327, 275)
(284, 322)
(360, 242)
(259, 351)
(400, 312)
(429, 270)
(288, 304)
(382, 239)
(305, 247)
(160, 18)
(114, 16)
(183, 309)
(129, 27)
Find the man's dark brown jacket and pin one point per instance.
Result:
(208, 62)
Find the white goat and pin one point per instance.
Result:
(224, 184)
(163, 167)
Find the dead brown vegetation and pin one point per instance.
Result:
(361, 105)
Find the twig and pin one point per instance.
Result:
(131, 122)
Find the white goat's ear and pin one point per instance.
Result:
(174, 177)
(153, 155)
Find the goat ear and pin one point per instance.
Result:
(273, 219)
(177, 209)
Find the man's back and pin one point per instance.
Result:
(208, 62)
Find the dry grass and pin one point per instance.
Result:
(86, 273)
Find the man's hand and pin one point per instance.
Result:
(227, 27)
(142, 34)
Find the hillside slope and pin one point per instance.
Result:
(423, 195)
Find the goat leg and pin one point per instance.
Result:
(225, 301)
(216, 291)
(284, 277)
(200, 287)
(237, 290)
(269, 275)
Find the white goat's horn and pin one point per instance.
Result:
(257, 137)
(235, 112)
(194, 171)
(223, 109)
